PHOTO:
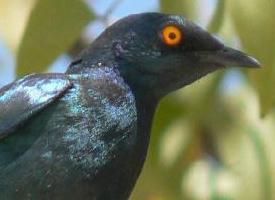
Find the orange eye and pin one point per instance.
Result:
(172, 35)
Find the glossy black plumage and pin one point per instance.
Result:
(88, 136)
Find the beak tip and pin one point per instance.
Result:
(253, 62)
(240, 59)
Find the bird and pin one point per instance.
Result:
(84, 134)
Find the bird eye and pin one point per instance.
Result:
(172, 35)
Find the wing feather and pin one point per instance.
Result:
(23, 98)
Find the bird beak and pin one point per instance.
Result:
(228, 57)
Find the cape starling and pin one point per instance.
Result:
(84, 134)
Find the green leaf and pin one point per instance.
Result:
(259, 148)
(52, 29)
(218, 17)
(183, 7)
(255, 24)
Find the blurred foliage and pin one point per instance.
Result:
(218, 17)
(53, 27)
(183, 7)
(255, 25)
(14, 15)
(208, 141)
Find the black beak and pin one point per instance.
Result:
(209, 51)
(228, 57)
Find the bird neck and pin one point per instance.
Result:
(145, 113)
(91, 59)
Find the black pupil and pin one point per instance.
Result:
(172, 36)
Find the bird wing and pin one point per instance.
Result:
(22, 99)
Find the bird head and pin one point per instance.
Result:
(159, 53)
